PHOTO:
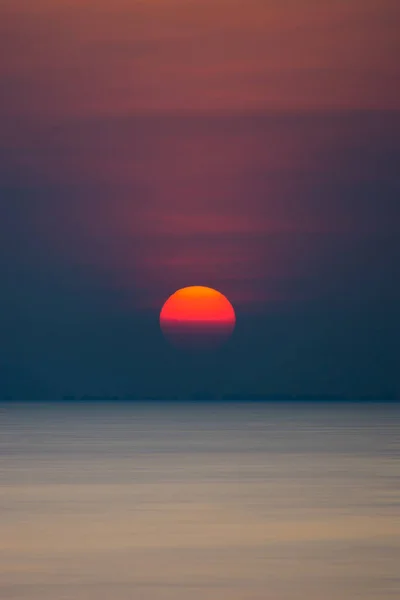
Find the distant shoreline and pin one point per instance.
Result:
(204, 399)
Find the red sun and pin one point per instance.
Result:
(197, 317)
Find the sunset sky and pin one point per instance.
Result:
(248, 145)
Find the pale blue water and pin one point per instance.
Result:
(238, 502)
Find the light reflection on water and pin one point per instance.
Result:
(246, 502)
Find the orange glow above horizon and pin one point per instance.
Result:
(204, 55)
(197, 316)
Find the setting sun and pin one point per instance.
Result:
(197, 316)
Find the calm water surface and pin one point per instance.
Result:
(216, 502)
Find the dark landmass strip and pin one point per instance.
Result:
(210, 397)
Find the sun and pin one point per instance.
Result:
(197, 317)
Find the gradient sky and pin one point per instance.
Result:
(252, 146)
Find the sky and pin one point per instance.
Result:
(248, 145)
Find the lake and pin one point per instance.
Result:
(199, 501)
